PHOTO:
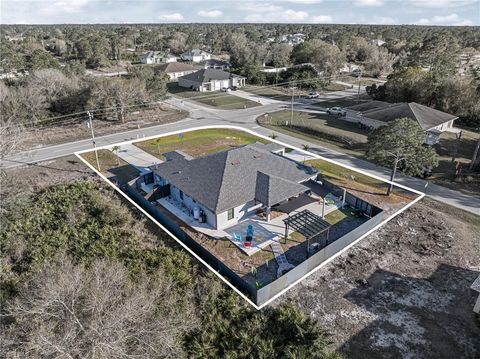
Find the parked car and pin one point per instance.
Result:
(313, 95)
(234, 88)
(225, 89)
(337, 111)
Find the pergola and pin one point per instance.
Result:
(308, 224)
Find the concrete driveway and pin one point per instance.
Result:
(137, 157)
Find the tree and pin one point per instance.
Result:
(41, 59)
(116, 95)
(115, 150)
(380, 62)
(283, 332)
(98, 311)
(305, 148)
(400, 144)
(327, 58)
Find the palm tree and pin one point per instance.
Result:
(115, 150)
(157, 142)
(305, 148)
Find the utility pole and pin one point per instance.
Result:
(90, 125)
(358, 92)
(291, 112)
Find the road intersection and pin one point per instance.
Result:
(245, 118)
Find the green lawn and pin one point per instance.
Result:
(343, 102)
(280, 93)
(325, 130)
(198, 143)
(364, 81)
(222, 100)
(111, 164)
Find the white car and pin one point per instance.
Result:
(337, 111)
(225, 89)
(313, 95)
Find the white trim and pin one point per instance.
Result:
(421, 195)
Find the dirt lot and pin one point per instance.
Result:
(78, 130)
(403, 292)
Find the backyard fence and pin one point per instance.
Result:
(173, 227)
(275, 287)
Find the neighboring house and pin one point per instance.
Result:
(349, 67)
(231, 185)
(195, 55)
(292, 39)
(377, 42)
(156, 57)
(210, 80)
(215, 64)
(174, 70)
(476, 287)
(378, 113)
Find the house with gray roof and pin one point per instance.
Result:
(231, 185)
(378, 113)
(215, 64)
(156, 57)
(174, 70)
(211, 80)
(195, 55)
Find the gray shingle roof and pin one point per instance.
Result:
(208, 75)
(172, 67)
(369, 105)
(271, 189)
(426, 117)
(227, 179)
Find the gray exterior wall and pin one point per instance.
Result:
(267, 292)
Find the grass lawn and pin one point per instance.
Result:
(279, 93)
(217, 99)
(198, 143)
(363, 186)
(110, 164)
(469, 181)
(364, 81)
(343, 102)
(337, 216)
(325, 130)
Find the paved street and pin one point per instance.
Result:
(202, 116)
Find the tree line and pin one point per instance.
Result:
(83, 276)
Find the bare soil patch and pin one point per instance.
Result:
(404, 290)
(76, 129)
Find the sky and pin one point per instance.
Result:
(389, 12)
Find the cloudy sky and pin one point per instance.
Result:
(422, 12)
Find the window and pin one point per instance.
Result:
(230, 213)
(181, 195)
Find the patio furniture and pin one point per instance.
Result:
(237, 237)
(249, 230)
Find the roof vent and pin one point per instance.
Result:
(236, 162)
(257, 156)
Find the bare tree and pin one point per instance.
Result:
(68, 311)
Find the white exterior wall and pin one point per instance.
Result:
(219, 84)
(239, 214)
(176, 75)
(191, 203)
(444, 126)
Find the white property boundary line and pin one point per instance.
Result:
(421, 195)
